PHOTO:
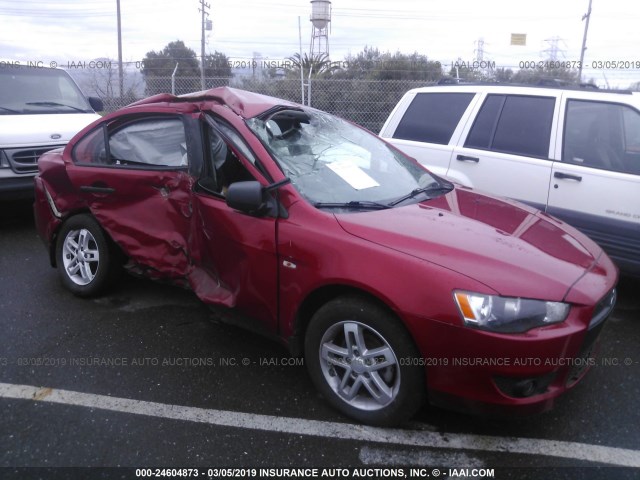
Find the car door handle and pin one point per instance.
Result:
(94, 189)
(466, 158)
(567, 176)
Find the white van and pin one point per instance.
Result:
(574, 153)
(40, 109)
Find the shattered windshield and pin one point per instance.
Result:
(333, 163)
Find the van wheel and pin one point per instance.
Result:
(359, 357)
(87, 261)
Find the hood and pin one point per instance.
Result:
(513, 249)
(41, 129)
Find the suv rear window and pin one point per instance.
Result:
(514, 124)
(433, 117)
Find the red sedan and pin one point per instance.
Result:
(396, 285)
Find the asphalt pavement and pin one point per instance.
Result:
(148, 376)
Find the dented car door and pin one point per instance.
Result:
(134, 178)
(235, 252)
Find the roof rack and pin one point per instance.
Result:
(548, 83)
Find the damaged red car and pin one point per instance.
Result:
(397, 286)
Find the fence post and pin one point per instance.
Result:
(309, 85)
(173, 79)
(301, 71)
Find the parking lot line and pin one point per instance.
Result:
(390, 456)
(334, 430)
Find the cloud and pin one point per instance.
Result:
(70, 30)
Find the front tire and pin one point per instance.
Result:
(87, 261)
(357, 353)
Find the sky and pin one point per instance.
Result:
(445, 30)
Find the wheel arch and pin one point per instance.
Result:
(54, 237)
(319, 297)
(399, 389)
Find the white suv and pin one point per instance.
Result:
(573, 153)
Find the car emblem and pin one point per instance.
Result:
(55, 136)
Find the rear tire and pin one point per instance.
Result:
(88, 262)
(356, 353)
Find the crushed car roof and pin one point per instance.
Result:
(243, 103)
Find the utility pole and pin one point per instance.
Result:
(120, 72)
(586, 16)
(203, 9)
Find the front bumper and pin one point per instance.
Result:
(16, 187)
(484, 372)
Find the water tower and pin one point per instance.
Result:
(321, 20)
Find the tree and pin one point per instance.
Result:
(105, 83)
(544, 75)
(464, 72)
(362, 65)
(319, 65)
(364, 87)
(478, 71)
(216, 65)
(159, 66)
(503, 75)
(217, 70)
(371, 64)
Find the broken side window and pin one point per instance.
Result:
(150, 142)
(224, 167)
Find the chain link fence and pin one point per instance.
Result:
(365, 102)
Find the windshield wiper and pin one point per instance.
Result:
(55, 104)
(10, 110)
(441, 187)
(354, 204)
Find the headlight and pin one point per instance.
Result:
(506, 314)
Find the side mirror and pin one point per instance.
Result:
(254, 199)
(246, 197)
(96, 104)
